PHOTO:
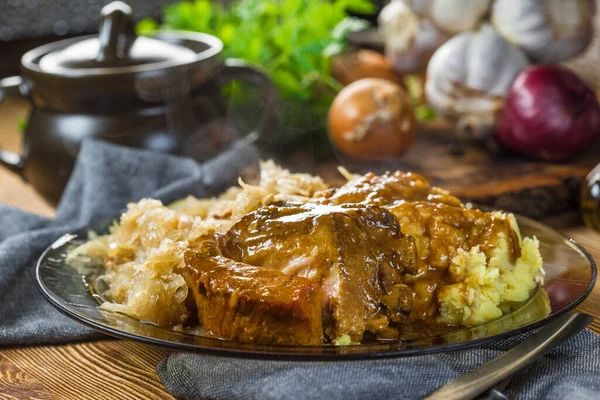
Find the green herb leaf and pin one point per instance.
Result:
(146, 26)
(358, 6)
(22, 125)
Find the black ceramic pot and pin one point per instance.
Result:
(160, 93)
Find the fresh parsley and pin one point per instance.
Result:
(292, 40)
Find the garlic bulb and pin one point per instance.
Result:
(451, 15)
(468, 77)
(409, 41)
(547, 30)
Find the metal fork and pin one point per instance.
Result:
(476, 382)
(517, 383)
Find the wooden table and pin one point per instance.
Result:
(122, 369)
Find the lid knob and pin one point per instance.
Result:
(116, 32)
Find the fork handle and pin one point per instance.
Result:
(475, 382)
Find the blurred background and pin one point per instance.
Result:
(26, 24)
(454, 72)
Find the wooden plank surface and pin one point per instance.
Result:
(118, 369)
(108, 369)
(12, 189)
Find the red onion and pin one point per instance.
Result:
(549, 114)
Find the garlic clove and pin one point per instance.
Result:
(420, 7)
(548, 31)
(397, 20)
(453, 16)
(446, 67)
(459, 16)
(501, 62)
(409, 41)
(469, 76)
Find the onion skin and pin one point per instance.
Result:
(352, 66)
(372, 119)
(550, 114)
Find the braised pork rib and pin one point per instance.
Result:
(356, 256)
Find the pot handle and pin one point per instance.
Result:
(116, 32)
(237, 69)
(13, 86)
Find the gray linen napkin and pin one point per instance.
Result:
(106, 177)
(570, 371)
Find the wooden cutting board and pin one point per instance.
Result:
(505, 181)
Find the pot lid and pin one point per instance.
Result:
(116, 46)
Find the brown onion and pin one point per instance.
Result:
(549, 114)
(352, 66)
(372, 118)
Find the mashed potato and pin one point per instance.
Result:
(487, 289)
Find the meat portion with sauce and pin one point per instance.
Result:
(387, 190)
(356, 256)
(245, 303)
(377, 256)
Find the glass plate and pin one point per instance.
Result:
(570, 275)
